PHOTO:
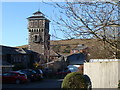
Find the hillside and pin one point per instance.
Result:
(97, 49)
(64, 43)
(24, 46)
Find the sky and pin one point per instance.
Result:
(14, 22)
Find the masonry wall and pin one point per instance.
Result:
(103, 74)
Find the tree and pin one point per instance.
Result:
(96, 20)
(56, 48)
(67, 49)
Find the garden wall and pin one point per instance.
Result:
(105, 74)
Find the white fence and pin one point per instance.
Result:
(105, 74)
(103, 60)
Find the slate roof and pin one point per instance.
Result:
(38, 12)
(7, 50)
(80, 47)
(76, 59)
(38, 15)
(12, 50)
(54, 54)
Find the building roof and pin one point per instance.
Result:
(80, 47)
(76, 59)
(38, 15)
(8, 50)
(38, 12)
(13, 50)
(54, 54)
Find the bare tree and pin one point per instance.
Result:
(98, 20)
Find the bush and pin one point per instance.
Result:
(119, 84)
(74, 80)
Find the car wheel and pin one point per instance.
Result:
(17, 81)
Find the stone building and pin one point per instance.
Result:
(39, 37)
(9, 56)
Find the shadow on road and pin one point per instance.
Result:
(46, 83)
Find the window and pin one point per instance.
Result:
(5, 74)
(42, 30)
(35, 23)
(31, 24)
(29, 30)
(8, 58)
(13, 74)
(9, 74)
(40, 23)
(36, 38)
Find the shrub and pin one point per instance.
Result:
(74, 80)
(119, 84)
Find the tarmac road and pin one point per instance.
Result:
(46, 83)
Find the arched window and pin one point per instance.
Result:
(37, 30)
(40, 23)
(36, 37)
(42, 30)
(31, 24)
(35, 23)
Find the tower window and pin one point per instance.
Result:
(37, 30)
(35, 37)
(40, 23)
(31, 24)
(36, 23)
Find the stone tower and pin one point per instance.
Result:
(39, 38)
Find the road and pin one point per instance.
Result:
(46, 83)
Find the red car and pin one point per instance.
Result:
(14, 77)
(63, 73)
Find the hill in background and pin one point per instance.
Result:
(97, 49)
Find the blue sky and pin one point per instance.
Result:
(14, 22)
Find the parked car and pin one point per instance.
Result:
(14, 77)
(47, 73)
(31, 74)
(63, 73)
(39, 74)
